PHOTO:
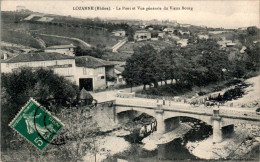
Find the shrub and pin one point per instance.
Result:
(43, 85)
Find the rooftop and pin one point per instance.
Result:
(39, 56)
(91, 62)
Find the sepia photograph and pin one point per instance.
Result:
(130, 80)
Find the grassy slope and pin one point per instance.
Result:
(129, 46)
(91, 36)
(19, 38)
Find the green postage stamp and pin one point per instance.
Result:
(36, 124)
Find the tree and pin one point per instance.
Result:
(142, 67)
(253, 56)
(43, 85)
(97, 52)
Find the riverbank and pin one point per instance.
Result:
(151, 142)
(241, 142)
(105, 146)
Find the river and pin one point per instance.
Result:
(174, 150)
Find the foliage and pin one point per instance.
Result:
(97, 52)
(141, 67)
(253, 57)
(43, 85)
(77, 140)
(199, 64)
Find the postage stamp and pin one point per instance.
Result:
(36, 124)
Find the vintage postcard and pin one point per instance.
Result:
(130, 81)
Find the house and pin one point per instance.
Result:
(119, 33)
(45, 19)
(183, 42)
(203, 26)
(185, 25)
(20, 8)
(230, 44)
(156, 34)
(142, 35)
(184, 33)
(87, 72)
(92, 73)
(62, 49)
(203, 36)
(161, 34)
(61, 64)
(169, 30)
(242, 28)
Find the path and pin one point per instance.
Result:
(111, 94)
(119, 44)
(76, 39)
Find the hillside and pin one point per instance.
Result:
(92, 33)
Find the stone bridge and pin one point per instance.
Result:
(168, 114)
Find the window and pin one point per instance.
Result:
(102, 77)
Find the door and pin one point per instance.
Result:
(87, 83)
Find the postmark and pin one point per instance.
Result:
(36, 124)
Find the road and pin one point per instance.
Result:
(111, 94)
(76, 39)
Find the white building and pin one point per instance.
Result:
(20, 8)
(61, 64)
(93, 73)
(203, 36)
(62, 49)
(142, 35)
(119, 33)
(185, 25)
(85, 71)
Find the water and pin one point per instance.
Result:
(172, 151)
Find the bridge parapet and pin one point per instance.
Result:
(183, 107)
(152, 104)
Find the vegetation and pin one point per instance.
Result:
(200, 63)
(91, 31)
(97, 52)
(49, 89)
(22, 38)
(76, 139)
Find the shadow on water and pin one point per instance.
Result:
(172, 151)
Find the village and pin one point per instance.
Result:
(98, 73)
(131, 89)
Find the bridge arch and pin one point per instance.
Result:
(120, 109)
(206, 119)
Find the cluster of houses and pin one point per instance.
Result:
(87, 72)
(151, 34)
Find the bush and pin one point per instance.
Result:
(43, 85)
(233, 93)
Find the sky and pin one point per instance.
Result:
(222, 13)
